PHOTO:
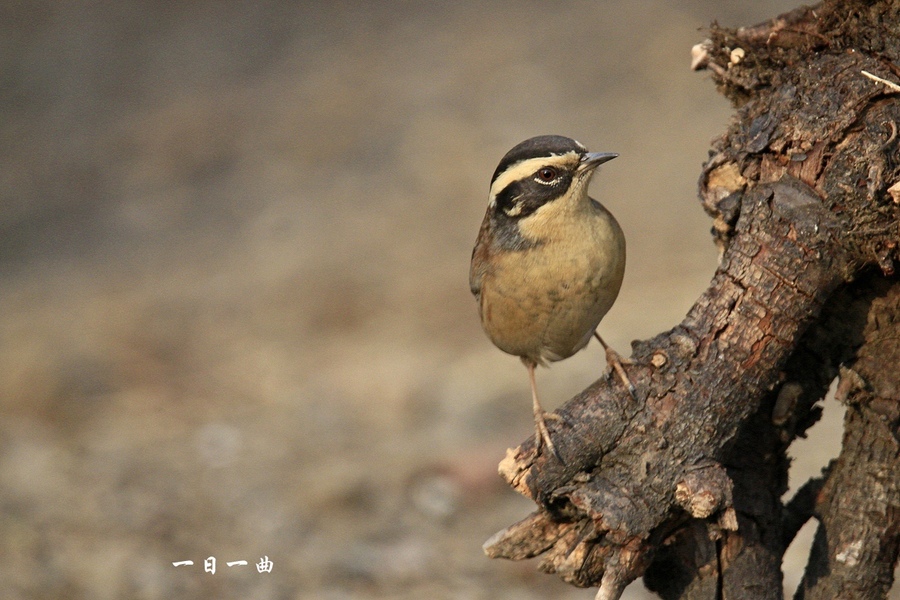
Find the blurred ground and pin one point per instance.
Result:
(234, 309)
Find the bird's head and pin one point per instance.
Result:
(543, 170)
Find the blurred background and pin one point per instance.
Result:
(234, 309)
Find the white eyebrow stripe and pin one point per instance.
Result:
(525, 168)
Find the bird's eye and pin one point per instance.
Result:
(547, 174)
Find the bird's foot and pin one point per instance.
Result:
(615, 362)
(542, 434)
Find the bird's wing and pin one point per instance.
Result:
(480, 256)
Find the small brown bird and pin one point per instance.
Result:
(549, 260)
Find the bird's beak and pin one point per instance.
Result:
(592, 160)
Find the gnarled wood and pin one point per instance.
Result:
(683, 483)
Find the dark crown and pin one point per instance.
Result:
(542, 145)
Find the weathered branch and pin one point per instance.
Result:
(683, 483)
(858, 541)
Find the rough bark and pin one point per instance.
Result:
(683, 483)
(858, 539)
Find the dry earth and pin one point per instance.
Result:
(234, 242)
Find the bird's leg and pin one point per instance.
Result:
(541, 434)
(615, 360)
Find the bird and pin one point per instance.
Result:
(548, 261)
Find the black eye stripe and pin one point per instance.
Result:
(523, 197)
(509, 196)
